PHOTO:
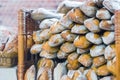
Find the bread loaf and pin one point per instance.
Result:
(59, 71)
(98, 61)
(89, 8)
(85, 60)
(92, 24)
(106, 25)
(56, 28)
(79, 29)
(103, 13)
(44, 62)
(62, 55)
(76, 15)
(103, 71)
(30, 73)
(46, 23)
(68, 36)
(97, 50)
(44, 74)
(110, 52)
(108, 37)
(68, 47)
(55, 40)
(36, 48)
(81, 42)
(93, 38)
(41, 13)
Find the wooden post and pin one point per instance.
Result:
(20, 45)
(117, 43)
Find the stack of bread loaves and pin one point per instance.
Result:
(75, 43)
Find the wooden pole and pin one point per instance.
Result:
(117, 43)
(20, 46)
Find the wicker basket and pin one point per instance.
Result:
(27, 25)
(8, 60)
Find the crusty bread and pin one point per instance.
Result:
(45, 62)
(103, 13)
(68, 47)
(46, 23)
(98, 61)
(93, 38)
(55, 40)
(30, 73)
(92, 24)
(36, 48)
(89, 8)
(56, 28)
(81, 42)
(97, 50)
(108, 37)
(106, 25)
(79, 29)
(76, 15)
(68, 36)
(103, 71)
(110, 52)
(85, 60)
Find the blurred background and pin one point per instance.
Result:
(9, 9)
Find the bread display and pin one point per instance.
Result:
(80, 45)
(79, 29)
(93, 38)
(103, 13)
(92, 25)
(106, 25)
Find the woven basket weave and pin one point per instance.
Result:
(8, 60)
